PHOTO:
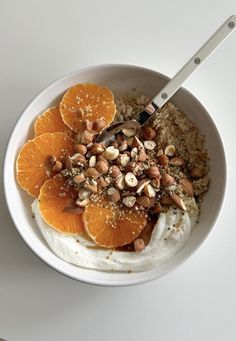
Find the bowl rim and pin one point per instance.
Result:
(109, 283)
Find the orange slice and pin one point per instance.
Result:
(54, 196)
(87, 101)
(50, 121)
(31, 166)
(111, 226)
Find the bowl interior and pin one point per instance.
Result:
(119, 78)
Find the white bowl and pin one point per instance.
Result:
(118, 78)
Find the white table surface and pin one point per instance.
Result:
(39, 42)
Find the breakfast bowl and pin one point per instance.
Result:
(120, 79)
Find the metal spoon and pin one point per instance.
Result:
(174, 84)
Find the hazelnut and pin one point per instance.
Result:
(160, 152)
(51, 160)
(92, 173)
(97, 148)
(102, 183)
(98, 125)
(139, 245)
(80, 148)
(78, 159)
(84, 193)
(157, 208)
(167, 180)
(187, 187)
(91, 188)
(196, 172)
(166, 201)
(120, 182)
(134, 153)
(102, 167)
(87, 125)
(141, 184)
(176, 161)
(155, 183)
(129, 201)
(153, 172)
(67, 162)
(149, 133)
(111, 153)
(102, 158)
(142, 155)
(115, 171)
(115, 144)
(128, 132)
(123, 146)
(178, 201)
(130, 141)
(86, 137)
(57, 166)
(163, 160)
(124, 159)
(170, 150)
(79, 178)
(82, 203)
(136, 143)
(143, 201)
(149, 191)
(131, 180)
(113, 194)
(149, 145)
(92, 161)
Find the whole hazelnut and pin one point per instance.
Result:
(153, 172)
(167, 180)
(115, 171)
(113, 194)
(102, 158)
(102, 167)
(97, 148)
(92, 173)
(80, 148)
(163, 160)
(149, 133)
(143, 201)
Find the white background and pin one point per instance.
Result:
(42, 40)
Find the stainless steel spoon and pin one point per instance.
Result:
(174, 84)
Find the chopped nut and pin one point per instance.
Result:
(139, 245)
(156, 183)
(102, 167)
(78, 159)
(86, 137)
(176, 161)
(167, 180)
(142, 155)
(82, 203)
(111, 153)
(166, 201)
(130, 141)
(149, 145)
(170, 150)
(160, 152)
(129, 201)
(102, 158)
(149, 133)
(115, 171)
(115, 144)
(157, 208)
(178, 201)
(97, 148)
(128, 132)
(51, 160)
(72, 209)
(67, 162)
(88, 125)
(131, 180)
(92, 173)
(102, 183)
(57, 166)
(92, 161)
(123, 146)
(143, 201)
(153, 172)
(92, 188)
(98, 125)
(134, 152)
(141, 184)
(80, 148)
(136, 143)
(113, 194)
(196, 172)
(124, 159)
(149, 191)
(84, 193)
(187, 187)
(120, 182)
(138, 169)
(163, 160)
(79, 178)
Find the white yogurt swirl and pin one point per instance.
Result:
(169, 235)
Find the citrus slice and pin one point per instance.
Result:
(31, 166)
(50, 121)
(111, 226)
(55, 195)
(87, 101)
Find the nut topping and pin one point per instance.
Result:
(128, 132)
(142, 155)
(120, 182)
(136, 143)
(187, 187)
(149, 145)
(131, 180)
(86, 137)
(153, 172)
(113, 194)
(115, 171)
(149, 133)
(196, 172)
(170, 150)
(84, 193)
(176, 161)
(149, 191)
(82, 203)
(178, 201)
(92, 173)
(79, 178)
(102, 167)
(123, 146)
(129, 201)
(111, 153)
(167, 180)
(57, 166)
(92, 161)
(141, 184)
(163, 160)
(67, 162)
(143, 201)
(88, 125)
(91, 188)
(124, 159)
(98, 125)
(97, 148)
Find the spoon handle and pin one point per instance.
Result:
(199, 57)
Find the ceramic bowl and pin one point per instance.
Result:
(119, 78)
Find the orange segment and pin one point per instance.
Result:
(31, 166)
(87, 101)
(111, 226)
(54, 196)
(50, 121)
